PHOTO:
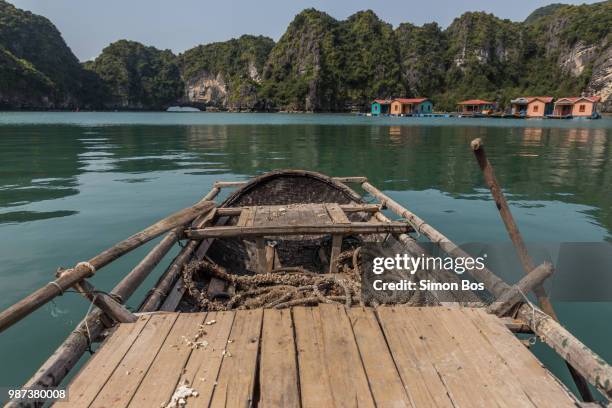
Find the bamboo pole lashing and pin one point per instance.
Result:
(503, 304)
(498, 287)
(517, 240)
(60, 363)
(83, 270)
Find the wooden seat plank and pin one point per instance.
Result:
(163, 376)
(418, 374)
(245, 215)
(236, 381)
(127, 376)
(347, 376)
(490, 365)
(85, 386)
(315, 384)
(461, 379)
(385, 382)
(535, 380)
(202, 368)
(278, 364)
(321, 215)
(336, 214)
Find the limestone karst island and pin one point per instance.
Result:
(305, 204)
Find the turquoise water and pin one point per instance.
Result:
(72, 184)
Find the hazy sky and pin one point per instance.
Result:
(89, 26)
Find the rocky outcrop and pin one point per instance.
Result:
(206, 89)
(225, 75)
(601, 79)
(37, 69)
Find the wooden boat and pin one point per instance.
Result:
(203, 337)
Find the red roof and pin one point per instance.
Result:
(382, 101)
(410, 100)
(575, 99)
(545, 99)
(476, 102)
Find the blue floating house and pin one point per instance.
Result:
(381, 107)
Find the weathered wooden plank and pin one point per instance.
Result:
(336, 214)
(315, 384)
(245, 214)
(124, 381)
(202, 368)
(315, 229)
(347, 208)
(162, 377)
(88, 382)
(424, 384)
(278, 372)
(260, 245)
(385, 382)
(262, 216)
(348, 379)
(489, 364)
(463, 381)
(336, 248)
(320, 215)
(533, 377)
(236, 381)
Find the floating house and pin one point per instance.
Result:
(476, 106)
(381, 106)
(411, 106)
(532, 106)
(576, 107)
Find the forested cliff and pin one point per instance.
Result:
(319, 64)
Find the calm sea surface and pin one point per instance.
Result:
(71, 184)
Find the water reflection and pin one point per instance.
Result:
(43, 163)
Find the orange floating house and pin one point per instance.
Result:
(576, 107)
(411, 106)
(476, 107)
(532, 106)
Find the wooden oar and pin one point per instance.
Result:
(521, 249)
(86, 269)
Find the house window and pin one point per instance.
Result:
(375, 107)
(536, 108)
(582, 108)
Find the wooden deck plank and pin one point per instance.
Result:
(462, 380)
(163, 376)
(236, 380)
(92, 377)
(535, 380)
(278, 372)
(411, 358)
(321, 356)
(485, 358)
(202, 368)
(347, 376)
(126, 378)
(315, 384)
(385, 383)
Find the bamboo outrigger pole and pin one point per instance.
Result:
(86, 269)
(65, 357)
(577, 354)
(521, 249)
